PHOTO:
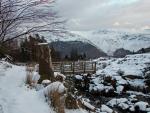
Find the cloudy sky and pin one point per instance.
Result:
(95, 14)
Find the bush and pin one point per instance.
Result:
(32, 76)
(56, 94)
(120, 72)
(108, 79)
(71, 102)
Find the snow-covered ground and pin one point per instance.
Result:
(119, 85)
(125, 77)
(128, 70)
(16, 97)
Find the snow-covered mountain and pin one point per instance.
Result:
(109, 40)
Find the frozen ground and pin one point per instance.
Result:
(120, 84)
(15, 97)
(130, 71)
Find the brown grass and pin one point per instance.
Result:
(29, 72)
(29, 78)
(57, 101)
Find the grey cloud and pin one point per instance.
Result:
(94, 14)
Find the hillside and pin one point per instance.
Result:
(65, 48)
(108, 40)
(120, 84)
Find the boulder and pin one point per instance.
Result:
(147, 75)
(133, 76)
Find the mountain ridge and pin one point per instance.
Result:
(108, 40)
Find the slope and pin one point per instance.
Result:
(107, 40)
(15, 97)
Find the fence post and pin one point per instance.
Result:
(62, 67)
(84, 66)
(73, 67)
(94, 67)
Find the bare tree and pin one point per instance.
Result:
(21, 17)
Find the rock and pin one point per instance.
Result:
(103, 90)
(140, 106)
(115, 101)
(147, 75)
(78, 77)
(133, 76)
(120, 89)
(106, 109)
(123, 106)
(71, 102)
(147, 89)
(133, 98)
(147, 81)
(46, 82)
(88, 105)
(137, 88)
(59, 77)
(108, 80)
(79, 82)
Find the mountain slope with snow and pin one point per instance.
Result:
(109, 40)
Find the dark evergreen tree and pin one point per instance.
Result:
(28, 50)
(74, 54)
(66, 57)
(55, 54)
(24, 52)
(142, 50)
(84, 56)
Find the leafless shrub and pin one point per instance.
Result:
(58, 101)
(32, 76)
(21, 17)
(56, 94)
(29, 73)
(28, 78)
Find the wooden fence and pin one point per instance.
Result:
(75, 67)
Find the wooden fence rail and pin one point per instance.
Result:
(75, 67)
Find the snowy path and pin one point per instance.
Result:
(15, 97)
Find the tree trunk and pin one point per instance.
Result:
(45, 62)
